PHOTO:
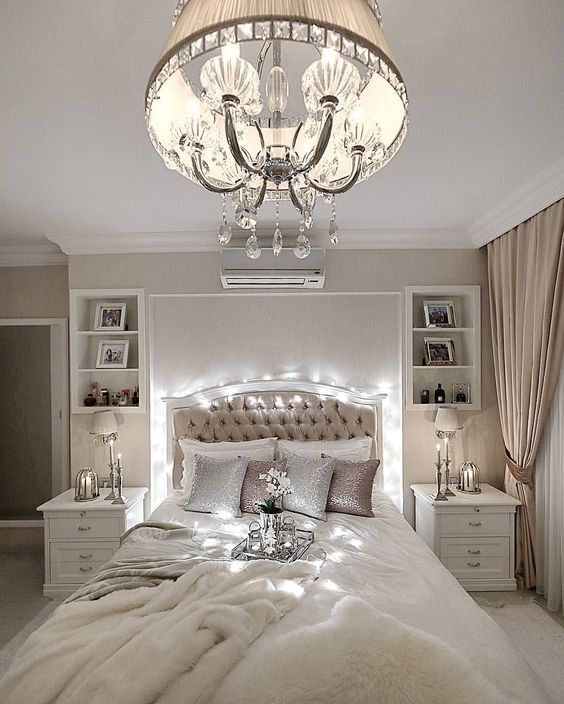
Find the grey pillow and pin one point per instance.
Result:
(351, 487)
(216, 484)
(311, 478)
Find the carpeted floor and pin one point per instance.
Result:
(10, 649)
(539, 638)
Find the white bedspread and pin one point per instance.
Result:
(383, 561)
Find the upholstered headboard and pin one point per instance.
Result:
(304, 411)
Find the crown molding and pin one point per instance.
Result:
(206, 241)
(31, 255)
(536, 195)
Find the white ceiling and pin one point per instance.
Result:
(485, 147)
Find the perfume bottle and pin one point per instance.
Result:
(425, 396)
(439, 394)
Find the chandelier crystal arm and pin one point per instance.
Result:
(197, 167)
(329, 106)
(229, 106)
(349, 182)
(294, 197)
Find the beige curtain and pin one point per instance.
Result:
(526, 281)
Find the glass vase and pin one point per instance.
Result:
(270, 524)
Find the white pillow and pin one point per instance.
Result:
(354, 450)
(255, 449)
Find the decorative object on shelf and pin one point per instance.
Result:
(115, 399)
(104, 397)
(277, 485)
(439, 314)
(425, 396)
(439, 351)
(135, 397)
(439, 394)
(112, 354)
(446, 426)
(469, 478)
(104, 425)
(110, 316)
(86, 485)
(461, 393)
(124, 397)
(205, 116)
(90, 400)
(438, 495)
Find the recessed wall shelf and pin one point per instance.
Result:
(84, 341)
(466, 338)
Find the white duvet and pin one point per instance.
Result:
(385, 563)
(384, 623)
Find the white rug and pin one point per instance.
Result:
(10, 649)
(538, 638)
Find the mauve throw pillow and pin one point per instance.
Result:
(216, 485)
(351, 487)
(254, 489)
(310, 477)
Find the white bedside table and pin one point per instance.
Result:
(81, 535)
(472, 534)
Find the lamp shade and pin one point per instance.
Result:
(447, 421)
(103, 423)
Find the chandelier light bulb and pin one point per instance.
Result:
(277, 89)
(230, 52)
(333, 77)
(358, 131)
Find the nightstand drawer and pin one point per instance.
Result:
(478, 567)
(481, 547)
(476, 524)
(73, 572)
(84, 528)
(85, 553)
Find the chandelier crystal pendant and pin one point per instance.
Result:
(271, 100)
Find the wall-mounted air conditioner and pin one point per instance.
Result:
(269, 271)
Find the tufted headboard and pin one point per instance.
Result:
(270, 410)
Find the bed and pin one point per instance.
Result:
(373, 616)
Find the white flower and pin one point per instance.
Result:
(263, 476)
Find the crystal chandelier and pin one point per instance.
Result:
(219, 108)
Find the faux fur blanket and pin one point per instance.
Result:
(359, 656)
(169, 643)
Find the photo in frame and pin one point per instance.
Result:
(439, 314)
(110, 316)
(112, 354)
(439, 351)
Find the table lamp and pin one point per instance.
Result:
(104, 425)
(446, 426)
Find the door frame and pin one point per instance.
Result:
(60, 475)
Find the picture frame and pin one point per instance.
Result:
(439, 314)
(439, 351)
(110, 316)
(112, 354)
(458, 389)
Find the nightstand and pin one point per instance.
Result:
(81, 536)
(472, 534)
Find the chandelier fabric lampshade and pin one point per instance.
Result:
(103, 423)
(447, 421)
(276, 100)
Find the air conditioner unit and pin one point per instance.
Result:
(269, 271)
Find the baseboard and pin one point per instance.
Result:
(489, 585)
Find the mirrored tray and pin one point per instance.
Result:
(304, 539)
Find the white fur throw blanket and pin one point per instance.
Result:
(358, 656)
(169, 643)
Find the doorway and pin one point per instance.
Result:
(34, 452)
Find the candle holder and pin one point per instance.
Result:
(118, 498)
(448, 491)
(438, 495)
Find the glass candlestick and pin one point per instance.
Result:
(448, 491)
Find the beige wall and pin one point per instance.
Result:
(34, 292)
(368, 271)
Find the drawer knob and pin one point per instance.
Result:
(476, 508)
(89, 557)
(82, 514)
(83, 528)
(473, 552)
(475, 525)
(86, 569)
(473, 564)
